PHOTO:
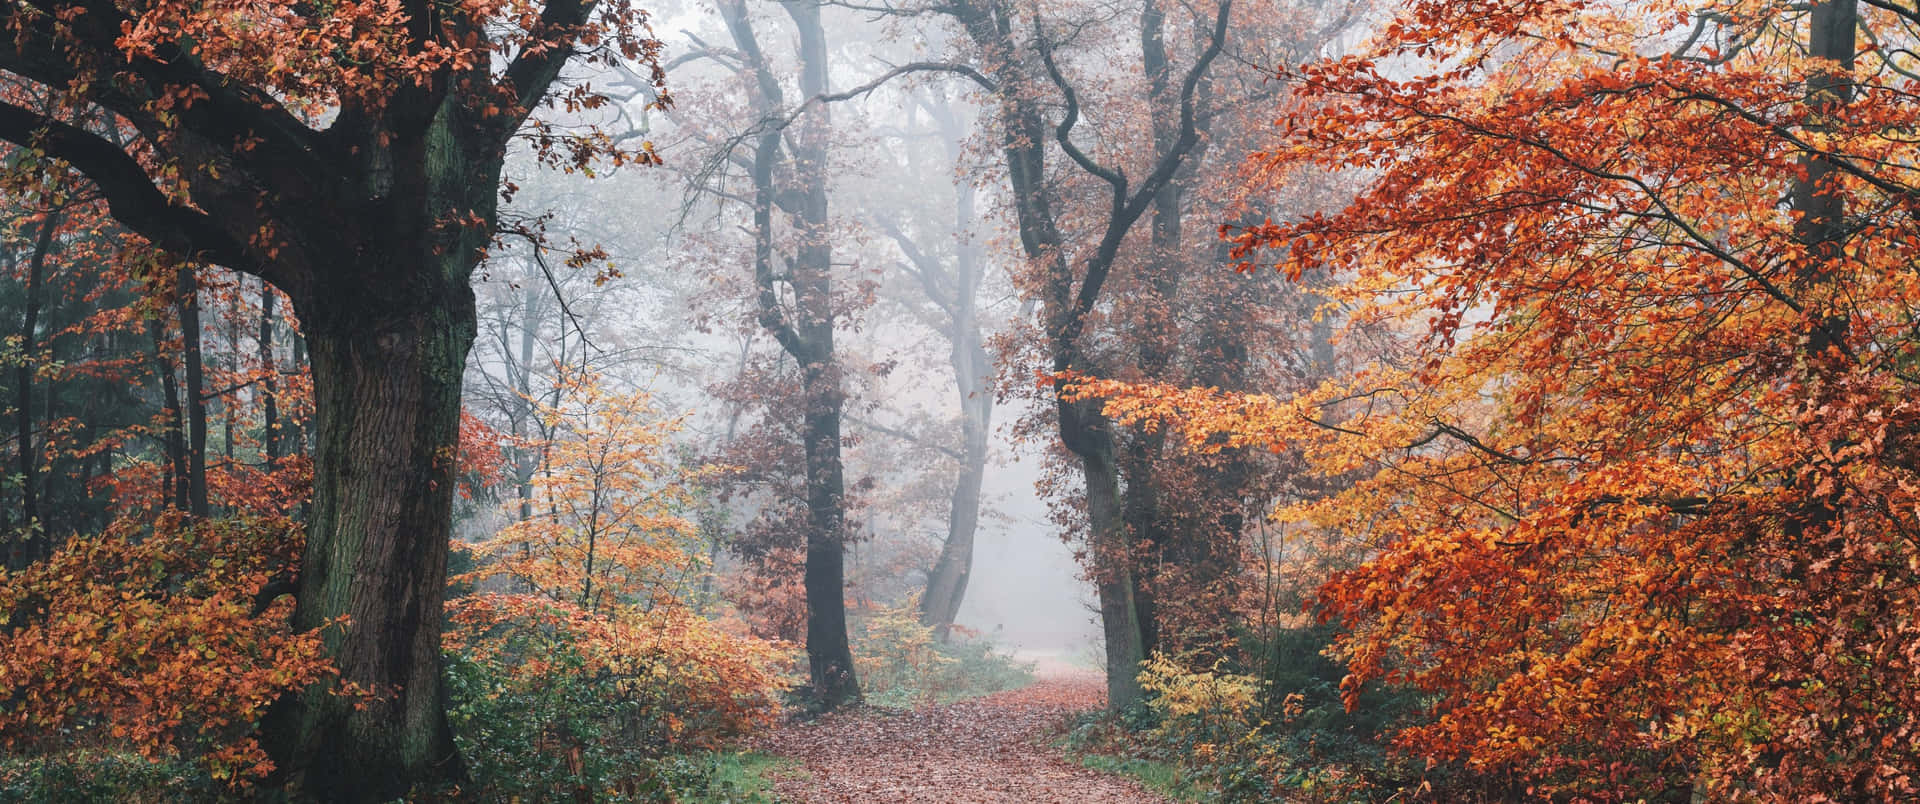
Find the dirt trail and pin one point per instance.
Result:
(991, 749)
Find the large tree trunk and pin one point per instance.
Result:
(387, 393)
(388, 343)
(372, 225)
(1089, 435)
(1114, 581)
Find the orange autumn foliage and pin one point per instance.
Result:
(698, 683)
(151, 637)
(1639, 462)
(608, 527)
(481, 460)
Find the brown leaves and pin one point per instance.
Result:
(991, 749)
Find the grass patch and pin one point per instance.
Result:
(1164, 778)
(741, 777)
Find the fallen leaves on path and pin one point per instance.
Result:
(991, 749)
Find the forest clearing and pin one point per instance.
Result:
(959, 400)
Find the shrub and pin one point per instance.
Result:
(86, 776)
(154, 639)
(900, 663)
(548, 698)
(1271, 727)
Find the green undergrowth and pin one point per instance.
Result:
(1266, 725)
(84, 776)
(742, 777)
(87, 777)
(1164, 778)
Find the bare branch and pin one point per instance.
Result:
(903, 435)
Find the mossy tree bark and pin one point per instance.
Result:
(388, 350)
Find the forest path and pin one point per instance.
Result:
(991, 749)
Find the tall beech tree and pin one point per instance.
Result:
(1177, 315)
(788, 165)
(945, 266)
(352, 158)
(1019, 68)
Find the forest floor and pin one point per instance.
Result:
(990, 749)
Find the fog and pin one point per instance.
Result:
(816, 238)
(1027, 591)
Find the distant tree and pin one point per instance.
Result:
(1018, 52)
(945, 271)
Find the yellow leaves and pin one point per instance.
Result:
(1174, 691)
(609, 500)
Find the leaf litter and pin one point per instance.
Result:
(989, 749)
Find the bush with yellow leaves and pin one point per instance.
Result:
(901, 663)
(1200, 710)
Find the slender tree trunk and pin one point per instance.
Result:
(829, 654)
(593, 540)
(806, 335)
(233, 374)
(524, 461)
(173, 436)
(188, 289)
(972, 375)
(947, 583)
(33, 541)
(295, 439)
(269, 379)
(9, 260)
